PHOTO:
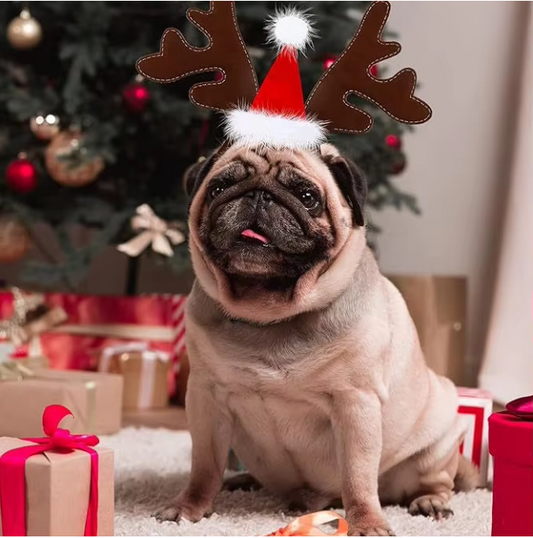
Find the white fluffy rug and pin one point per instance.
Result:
(152, 466)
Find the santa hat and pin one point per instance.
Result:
(277, 116)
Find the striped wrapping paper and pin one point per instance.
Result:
(177, 315)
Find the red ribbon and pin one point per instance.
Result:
(521, 408)
(13, 464)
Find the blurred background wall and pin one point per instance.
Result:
(468, 56)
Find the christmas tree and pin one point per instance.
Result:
(84, 140)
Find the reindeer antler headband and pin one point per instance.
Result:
(275, 114)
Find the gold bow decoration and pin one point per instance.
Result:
(30, 318)
(22, 305)
(152, 230)
(14, 370)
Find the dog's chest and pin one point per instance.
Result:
(276, 390)
(266, 361)
(282, 429)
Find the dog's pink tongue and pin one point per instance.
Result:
(254, 235)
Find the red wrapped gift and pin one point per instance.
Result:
(96, 322)
(511, 446)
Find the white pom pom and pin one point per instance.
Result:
(290, 28)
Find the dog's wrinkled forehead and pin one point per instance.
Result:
(241, 163)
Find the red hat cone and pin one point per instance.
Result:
(281, 92)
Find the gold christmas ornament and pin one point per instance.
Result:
(24, 31)
(14, 240)
(68, 162)
(45, 127)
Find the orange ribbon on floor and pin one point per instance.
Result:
(308, 525)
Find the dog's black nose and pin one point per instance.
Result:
(259, 195)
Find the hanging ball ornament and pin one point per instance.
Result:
(328, 62)
(45, 127)
(21, 175)
(399, 166)
(69, 163)
(136, 95)
(393, 141)
(14, 239)
(24, 31)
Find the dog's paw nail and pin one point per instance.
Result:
(243, 482)
(432, 507)
(170, 513)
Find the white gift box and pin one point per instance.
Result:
(476, 406)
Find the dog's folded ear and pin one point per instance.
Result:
(349, 179)
(197, 172)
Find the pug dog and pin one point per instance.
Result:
(303, 356)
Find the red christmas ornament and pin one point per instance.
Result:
(374, 71)
(393, 141)
(21, 175)
(398, 167)
(137, 96)
(328, 62)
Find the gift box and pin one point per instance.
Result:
(145, 373)
(64, 487)
(511, 446)
(476, 406)
(92, 323)
(437, 305)
(95, 398)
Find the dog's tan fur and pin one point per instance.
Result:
(332, 399)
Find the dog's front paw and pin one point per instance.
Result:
(368, 526)
(183, 508)
(430, 506)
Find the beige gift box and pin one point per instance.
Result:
(437, 305)
(57, 490)
(145, 374)
(94, 398)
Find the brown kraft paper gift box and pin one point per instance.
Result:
(437, 305)
(57, 490)
(94, 398)
(145, 373)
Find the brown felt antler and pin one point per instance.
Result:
(226, 53)
(350, 74)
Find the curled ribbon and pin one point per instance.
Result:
(156, 231)
(308, 525)
(521, 407)
(13, 479)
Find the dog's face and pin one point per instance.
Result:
(262, 221)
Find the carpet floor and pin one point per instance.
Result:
(152, 466)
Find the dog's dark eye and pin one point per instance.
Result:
(308, 199)
(216, 191)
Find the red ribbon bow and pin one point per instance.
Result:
(521, 407)
(12, 472)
